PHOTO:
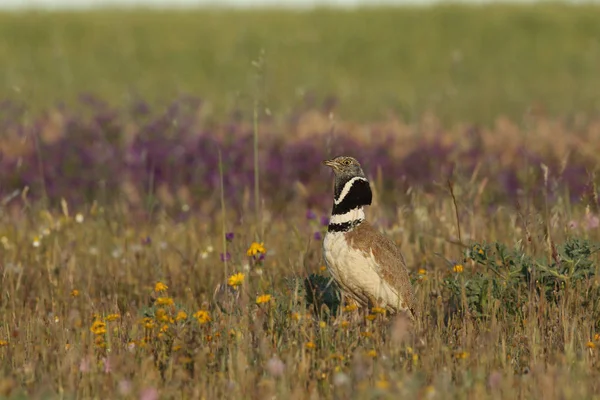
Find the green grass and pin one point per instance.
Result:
(466, 63)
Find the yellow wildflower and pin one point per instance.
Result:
(265, 298)
(256, 248)
(382, 384)
(478, 250)
(422, 271)
(112, 317)
(99, 341)
(164, 328)
(378, 310)
(161, 315)
(185, 360)
(372, 353)
(366, 334)
(3, 343)
(462, 355)
(345, 324)
(323, 268)
(98, 327)
(350, 307)
(371, 317)
(148, 323)
(181, 315)
(322, 324)
(458, 268)
(597, 337)
(202, 316)
(236, 280)
(310, 345)
(160, 287)
(74, 293)
(590, 345)
(164, 301)
(296, 316)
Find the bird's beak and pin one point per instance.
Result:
(330, 163)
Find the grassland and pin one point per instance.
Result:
(463, 63)
(83, 314)
(127, 215)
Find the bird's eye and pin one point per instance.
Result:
(347, 162)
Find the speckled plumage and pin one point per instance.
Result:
(367, 265)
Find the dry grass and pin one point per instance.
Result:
(62, 271)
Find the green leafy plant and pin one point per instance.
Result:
(316, 290)
(509, 277)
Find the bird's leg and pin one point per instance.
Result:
(366, 311)
(380, 322)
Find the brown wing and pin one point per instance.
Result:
(389, 257)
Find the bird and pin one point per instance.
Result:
(367, 265)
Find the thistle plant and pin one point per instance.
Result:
(511, 278)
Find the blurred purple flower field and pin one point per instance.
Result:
(93, 151)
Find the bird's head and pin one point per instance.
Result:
(345, 168)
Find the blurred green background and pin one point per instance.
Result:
(464, 63)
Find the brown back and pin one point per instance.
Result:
(389, 257)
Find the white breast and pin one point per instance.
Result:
(356, 272)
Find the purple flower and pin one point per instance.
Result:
(324, 220)
(225, 257)
(592, 221)
(229, 236)
(107, 368)
(276, 367)
(84, 365)
(318, 236)
(495, 380)
(573, 224)
(125, 387)
(310, 214)
(261, 257)
(146, 241)
(149, 394)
